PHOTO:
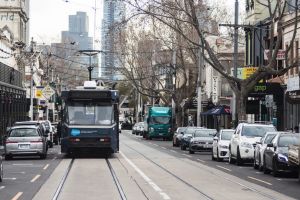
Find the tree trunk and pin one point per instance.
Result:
(241, 99)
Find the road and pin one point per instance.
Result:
(141, 170)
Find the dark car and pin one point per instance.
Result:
(276, 153)
(178, 135)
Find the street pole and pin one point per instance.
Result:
(31, 92)
(199, 90)
(235, 62)
(173, 86)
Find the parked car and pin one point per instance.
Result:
(242, 143)
(134, 128)
(221, 144)
(177, 136)
(187, 135)
(25, 140)
(202, 140)
(276, 154)
(260, 149)
(49, 128)
(40, 124)
(140, 128)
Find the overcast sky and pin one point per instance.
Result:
(49, 17)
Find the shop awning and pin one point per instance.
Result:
(219, 110)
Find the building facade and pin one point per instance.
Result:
(113, 14)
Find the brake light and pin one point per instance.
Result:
(38, 141)
(10, 142)
(74, 140)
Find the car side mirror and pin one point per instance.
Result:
(270, 145)
(216, 138)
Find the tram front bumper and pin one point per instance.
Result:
(76, 143)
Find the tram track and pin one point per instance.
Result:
(68, 170)
(195, 188)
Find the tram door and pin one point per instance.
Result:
(116, 115)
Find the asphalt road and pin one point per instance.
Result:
(23, 176)
(286, 184)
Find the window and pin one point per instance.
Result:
(256, 131)
(24, 132)
(205, 133)
(226, 135)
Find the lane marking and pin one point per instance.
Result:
(17, 196)
(224, 168)
(258, 172)
(201, 160)
(146, 178)
(22, 164)
(9, 178)
(35, 178)
(16, 172)
(46, 167)
(2, 187)
(155, 145)
(173, 151)
(259, 180)
(163, 147)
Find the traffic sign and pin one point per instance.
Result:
(48, 92)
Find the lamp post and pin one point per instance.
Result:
(90, 53)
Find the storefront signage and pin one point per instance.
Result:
(280, 54)
(293, 97)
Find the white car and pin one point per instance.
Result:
(242, 143)
(260, 149)
(221, 144)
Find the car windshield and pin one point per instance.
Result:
(90, 114)
(287, 140)
(24, 132)
(181, 129)
(226, 135)
(256, 131)
(205, 133)
(269, 138)
(159, 120)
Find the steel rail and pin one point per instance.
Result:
(116, 180)
(63, 180)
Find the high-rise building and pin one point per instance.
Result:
(78, 31)
(113, 13)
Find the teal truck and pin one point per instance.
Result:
(158, 123)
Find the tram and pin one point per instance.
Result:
(90, 119)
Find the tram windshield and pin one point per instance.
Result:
(89, 114)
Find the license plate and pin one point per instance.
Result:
(24, 146)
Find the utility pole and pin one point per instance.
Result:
(32, 62)
(90, 53)
(235, 60)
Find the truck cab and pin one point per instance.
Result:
(158, 123)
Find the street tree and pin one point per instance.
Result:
(179, 15)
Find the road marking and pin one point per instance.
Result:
(146, 178)
(258, 172)
(46, 167)
(9, 178)
(155, 145)
(259, 180)
(201, 160)
(17, 196)
(35, 178)
(163, 147)
(23, 164)
(16, 172)
(173, 151)
(2, 187)
(224, 168)
(187, 155)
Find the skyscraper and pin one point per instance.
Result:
(113, 13)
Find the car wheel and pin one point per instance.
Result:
(183, 147)
(255, 166)
(265, 169)
(1, 172)
(8, 157)
(230, 159)
(191, 152)
(218, 158)
(275, 171)
(260, 166)
(239, 160)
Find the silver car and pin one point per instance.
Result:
(25, 140)
(202, 140)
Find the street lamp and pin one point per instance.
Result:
(90, 53)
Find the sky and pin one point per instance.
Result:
(49, 17)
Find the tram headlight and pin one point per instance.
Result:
(151, 129)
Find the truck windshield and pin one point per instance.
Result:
(160, 120)
(89, 114)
